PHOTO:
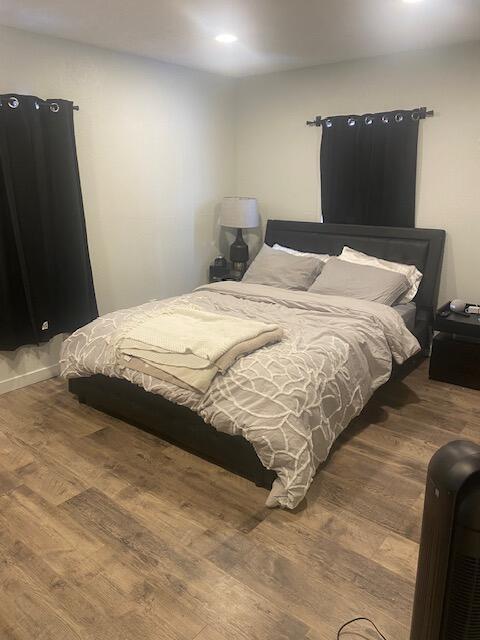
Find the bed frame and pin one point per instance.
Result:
(181, 426)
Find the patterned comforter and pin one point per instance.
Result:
(292, 399)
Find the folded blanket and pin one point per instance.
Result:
(191, 331)
(188, 347)
(191, 379)
(197, 378)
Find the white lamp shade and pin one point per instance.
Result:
(240, 213)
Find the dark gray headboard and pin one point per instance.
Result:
(421, 247)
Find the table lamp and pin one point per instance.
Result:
(239, 213)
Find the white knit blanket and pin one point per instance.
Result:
(192, 331)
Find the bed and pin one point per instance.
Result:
(287, 470)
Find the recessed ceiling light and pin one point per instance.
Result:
(226, 38)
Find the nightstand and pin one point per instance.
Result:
(227, 276)
(456, 349)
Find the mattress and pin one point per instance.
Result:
(290, 400)
(408, 312)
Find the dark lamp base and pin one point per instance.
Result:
(239, 249)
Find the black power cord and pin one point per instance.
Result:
(346, 624)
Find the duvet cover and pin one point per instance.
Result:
(292, 399)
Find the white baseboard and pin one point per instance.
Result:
(25, 379)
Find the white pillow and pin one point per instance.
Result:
(324, 257)
(412, 274)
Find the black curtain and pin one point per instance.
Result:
(368, 167)
(46, 284)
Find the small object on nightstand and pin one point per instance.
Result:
(456, 348)
(218, 269)
(458, 306)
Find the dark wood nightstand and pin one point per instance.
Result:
(227, 276)
(456, 349)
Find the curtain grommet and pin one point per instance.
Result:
(328, 123)
(415, 115)
(37, 106)
(385, 119)
(351, 122)
(54, 107)
(398, 117)
(368, 120)
(13, 102)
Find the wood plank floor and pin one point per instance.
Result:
(109, 533)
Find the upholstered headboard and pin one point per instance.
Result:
(421, 247)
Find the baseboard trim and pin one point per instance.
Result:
(26, 379)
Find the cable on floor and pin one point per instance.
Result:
(346, 624)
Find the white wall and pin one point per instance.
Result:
(155, 147)
(278, 156)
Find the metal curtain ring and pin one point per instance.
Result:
(415, 115)
(398, 117)
(13, 102)
(37, 106)
(385, 119)
(328, 123)
(351, 122)
(368, 120)
(54, 107)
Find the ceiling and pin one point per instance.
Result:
(272, 34)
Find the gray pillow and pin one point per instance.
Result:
(283, 270)
(341, 278)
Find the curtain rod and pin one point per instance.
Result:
(423, 113)
(76, 107)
